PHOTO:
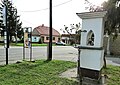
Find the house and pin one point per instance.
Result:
(41, 34)
(65, 38)
(70, 38)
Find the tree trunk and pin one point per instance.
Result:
(10, 38)
(16, 39)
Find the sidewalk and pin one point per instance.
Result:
(112, 60)
(72, 73)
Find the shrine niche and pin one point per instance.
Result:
(90, 38)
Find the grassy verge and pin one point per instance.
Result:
(33, 44)
(21, 44)
(1, 44)
(113, 73)
(47, 73)
(38, 73)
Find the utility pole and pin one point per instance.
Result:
(50, 33)
(6, 28)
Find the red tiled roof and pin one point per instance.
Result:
(44, 30)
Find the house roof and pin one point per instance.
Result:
(44, 30)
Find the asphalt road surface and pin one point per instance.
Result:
(67, 53)
(59, 52)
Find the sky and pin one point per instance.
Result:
(34, 13)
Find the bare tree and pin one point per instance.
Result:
(74, 28)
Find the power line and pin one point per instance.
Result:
(62, 3)
(28, 22)
(48, 8)
(35, 10)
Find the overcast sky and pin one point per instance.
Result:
(35, 12)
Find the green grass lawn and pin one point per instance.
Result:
(47, 73)
(21, 44)
(113, 73)
(38, 73)
(33, 44)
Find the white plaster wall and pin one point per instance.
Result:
(96, 25)
(91, 59)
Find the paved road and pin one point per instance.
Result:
(67, 53)
(59, 52)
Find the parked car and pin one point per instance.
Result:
(60, 43)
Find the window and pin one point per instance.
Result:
(58, 39)
(53, 38)
(47, 38)
(42, 38)
(35, 38)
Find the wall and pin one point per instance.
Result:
(114, 45)
(46, 41)
(91, 59)
(96, 26)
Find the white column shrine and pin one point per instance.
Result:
(91, 47)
